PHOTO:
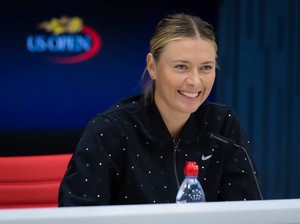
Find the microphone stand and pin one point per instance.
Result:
(231, 142)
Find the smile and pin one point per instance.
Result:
(189, 94)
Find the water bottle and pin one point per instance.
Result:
(190, 190)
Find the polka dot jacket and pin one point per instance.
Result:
(127, 156)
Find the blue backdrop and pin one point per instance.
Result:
(45, 105)
(260, 77)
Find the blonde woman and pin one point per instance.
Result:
(135, 151)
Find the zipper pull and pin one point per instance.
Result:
(176, 144)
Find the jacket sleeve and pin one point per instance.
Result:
(92, 173)
(238, 181)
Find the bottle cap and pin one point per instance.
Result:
(191, 169)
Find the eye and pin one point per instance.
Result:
(206, 67)
(181, 67)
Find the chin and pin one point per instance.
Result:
(190, 110)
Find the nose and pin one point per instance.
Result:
(194, 79)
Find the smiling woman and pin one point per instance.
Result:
(135, 151)
(184, 76)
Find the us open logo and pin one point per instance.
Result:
(69, 41)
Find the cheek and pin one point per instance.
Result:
(212, 82)
(209, 81)
(165, 85)
(166, 79)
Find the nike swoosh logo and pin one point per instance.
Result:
(206, 157)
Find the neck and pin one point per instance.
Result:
(174, 122)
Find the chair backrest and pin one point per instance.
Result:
(31, 181)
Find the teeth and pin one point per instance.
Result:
(189, 94)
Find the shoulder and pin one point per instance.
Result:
(221, 119)
(130, 104)
(215, 109)
(122, 110)
(217, 117)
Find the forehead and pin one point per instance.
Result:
(189, 49)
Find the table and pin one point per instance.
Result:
(242, 212)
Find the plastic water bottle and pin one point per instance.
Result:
(190, 190)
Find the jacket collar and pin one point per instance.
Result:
(191, 131)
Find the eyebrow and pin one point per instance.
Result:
(208, 62)
(187, 62)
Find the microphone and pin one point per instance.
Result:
(228, 141)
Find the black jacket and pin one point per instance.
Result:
(127, 156)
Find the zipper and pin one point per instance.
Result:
(174, 160)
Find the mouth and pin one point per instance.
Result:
(189, 94)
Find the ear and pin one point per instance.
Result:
(151, 66)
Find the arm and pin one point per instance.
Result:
(238, 182)
(92, 174)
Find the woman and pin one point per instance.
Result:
(134, 152)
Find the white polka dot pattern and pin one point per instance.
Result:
(127, 156)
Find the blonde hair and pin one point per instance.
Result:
(171, 28)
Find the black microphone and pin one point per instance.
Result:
(228, 141)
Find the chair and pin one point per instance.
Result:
(31, 181)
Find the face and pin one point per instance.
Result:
(184, 75)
